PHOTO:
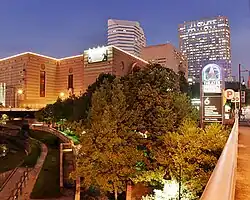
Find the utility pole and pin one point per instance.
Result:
(240, 89)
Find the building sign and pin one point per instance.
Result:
(211, 79)
(212, 94)
(2, 94)
(243, 96)
(212, 108)
(229, 94)
(97, 54)
(203, 25)
(236, 98)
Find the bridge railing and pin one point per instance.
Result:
(221, 185)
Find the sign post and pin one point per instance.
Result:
(212, 85)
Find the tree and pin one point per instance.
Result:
(152, 95)
(148, 102)
(193, 151)
(109, 156)
(183, 82)
(73, 108)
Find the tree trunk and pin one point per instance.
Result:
(116, 192)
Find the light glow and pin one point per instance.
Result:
(19, 91)
(62, 94)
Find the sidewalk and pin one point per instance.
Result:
(33, 175)
(11, 185)
(243, 165)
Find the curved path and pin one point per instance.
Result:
(33, 175)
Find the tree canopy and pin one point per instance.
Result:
(140, 127)
(128, 120)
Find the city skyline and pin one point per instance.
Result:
(77, 26)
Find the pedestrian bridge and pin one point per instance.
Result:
(230, 179)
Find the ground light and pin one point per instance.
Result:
(170, 192)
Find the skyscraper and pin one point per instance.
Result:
(127, 35)
(206, 41)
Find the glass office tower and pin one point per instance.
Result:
(206, 41)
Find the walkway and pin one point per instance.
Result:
(11, 185)
(33, 174)
(243, 165)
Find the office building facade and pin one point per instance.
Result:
(30, 80)
(127, 35)
(204, 42)
(167, 56)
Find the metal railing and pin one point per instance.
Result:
(221, 185)
(5, 177)
(18, 191)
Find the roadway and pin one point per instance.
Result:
(243, 163)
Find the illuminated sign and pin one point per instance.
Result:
(2, 94)
(97, 54)
(202, 25)
(229, 94)
(211, 79)
(212, 108)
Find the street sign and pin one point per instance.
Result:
(229, 94)
(212, 108)
(236, 97)
(212, 94)
(243, 96)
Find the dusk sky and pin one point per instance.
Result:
(67, 27)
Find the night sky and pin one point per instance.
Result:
(68, 27)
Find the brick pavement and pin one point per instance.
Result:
(243, 165)
(10, 186)
(33, 175)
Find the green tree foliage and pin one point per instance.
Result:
(183, 82)
(154, 96)
(193, 151)
(73, 108)
(146, 102)
(109, 154)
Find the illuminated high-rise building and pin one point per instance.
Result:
(127, 35)
(206, 41)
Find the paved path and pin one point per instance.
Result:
(10, 186)
(33, 175)
(243, 166)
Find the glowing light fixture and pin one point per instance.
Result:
(62, 94)
(19, 91)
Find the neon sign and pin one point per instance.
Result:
(211, 79)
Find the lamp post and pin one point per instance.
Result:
(241, 71)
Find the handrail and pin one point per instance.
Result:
(18, 190)
(221, 185)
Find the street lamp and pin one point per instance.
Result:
(19, 91)
(243, 83)
(62, 94)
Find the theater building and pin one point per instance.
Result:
(30, 80)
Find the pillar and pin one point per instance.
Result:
(129, 191)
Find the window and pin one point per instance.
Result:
(42, 83)
(70, 81)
